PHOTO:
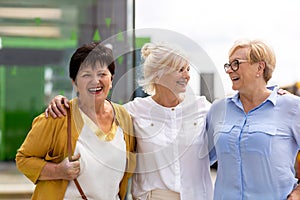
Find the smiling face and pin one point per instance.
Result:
(256, 67)
(175, 81)
(93, 83)
(244, 78)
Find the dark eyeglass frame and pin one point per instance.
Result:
(234, 65)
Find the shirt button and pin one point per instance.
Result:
(172, 109)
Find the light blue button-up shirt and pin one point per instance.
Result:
(256, 151)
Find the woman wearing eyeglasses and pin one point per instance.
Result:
(256, 132)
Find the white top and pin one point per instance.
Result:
(102, 165)
(171, 148)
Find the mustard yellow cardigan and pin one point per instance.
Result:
(47, 142)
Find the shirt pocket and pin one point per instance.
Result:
(193, 132)
(193, 137)
(152, 133)
(224, 136)
(259, 139)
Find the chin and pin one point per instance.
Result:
(181, 92)
(234, 88)
(101, 98)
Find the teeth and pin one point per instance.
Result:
(182, 82)
(95, 89)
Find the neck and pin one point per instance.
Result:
(254, 98)
(93, 110)
(101, 114)
(166, 100)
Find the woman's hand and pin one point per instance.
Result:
(55, 108)
(69, 170)
(66, 170)
(282, 91)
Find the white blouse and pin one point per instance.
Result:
(171, 148)
(102, 164)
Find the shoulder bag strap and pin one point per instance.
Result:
(70, 153)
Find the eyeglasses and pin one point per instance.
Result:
(234, 65)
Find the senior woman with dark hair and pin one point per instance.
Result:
(256, 132)
(102, 137)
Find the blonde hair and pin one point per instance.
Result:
(257, 51)
(159, 59)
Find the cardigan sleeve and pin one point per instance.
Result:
(45, 142)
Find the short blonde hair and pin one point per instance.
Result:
(159, 58)
(257, 51)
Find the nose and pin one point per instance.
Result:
(228, 70)
(186, 74)
(96, 79)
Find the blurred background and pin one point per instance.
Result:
(37, 38)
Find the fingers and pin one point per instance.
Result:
(49, 110)
(46, 113)
(55, 108)
(282, 91)
(72, 172)
(65, 101)
(69, 170)
(57, 105)
(76, 157)
(74, 168)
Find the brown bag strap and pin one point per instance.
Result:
(70, 154)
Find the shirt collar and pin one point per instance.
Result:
(272, 98)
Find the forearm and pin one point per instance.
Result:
(64, 170)
(50, 172)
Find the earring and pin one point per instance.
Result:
(257, 75)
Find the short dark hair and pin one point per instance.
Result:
(89, 54)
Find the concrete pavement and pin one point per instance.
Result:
(13, 184)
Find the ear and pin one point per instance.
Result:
(112, 78)
(261, 66)
(74, 85)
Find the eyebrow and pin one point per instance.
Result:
(90, 70)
